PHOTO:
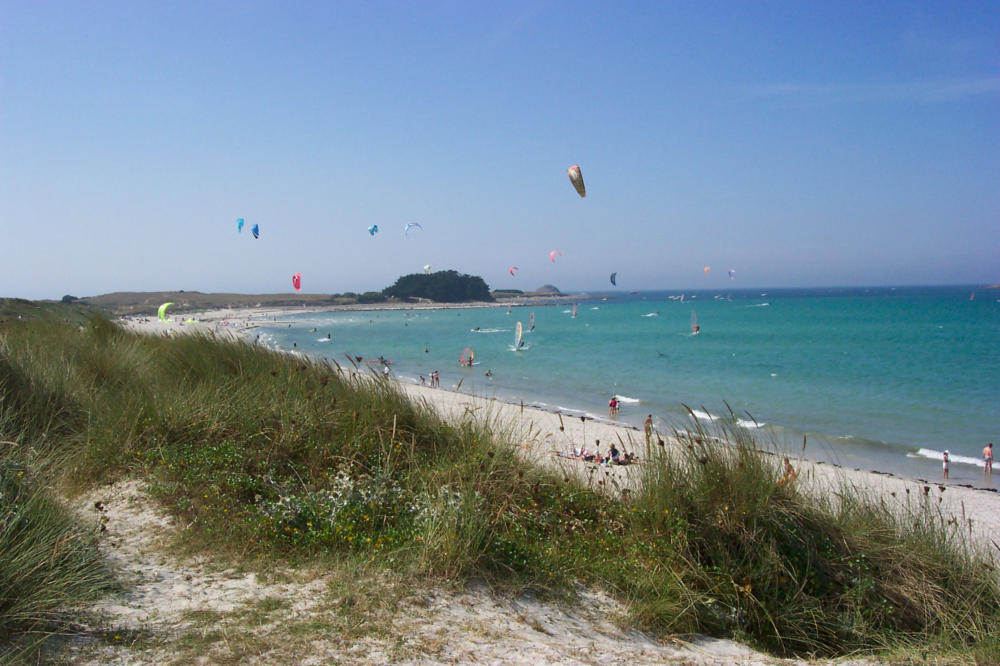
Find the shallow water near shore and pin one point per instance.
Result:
(875, 378)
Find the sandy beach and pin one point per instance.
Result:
(439, 626)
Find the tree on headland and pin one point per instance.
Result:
(442, 286)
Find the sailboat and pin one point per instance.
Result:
(695, 328)
(531, 322)
(519, 339)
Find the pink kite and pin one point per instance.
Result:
(297, 281)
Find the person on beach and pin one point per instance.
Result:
(790, 473)
(613, 406)
(614, 454)
(647, 425)
(423, 382)
(946, 458)
(988, 459)
(385, 371)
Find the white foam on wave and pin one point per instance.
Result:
(703, 416)
(749, 425)
(576, 413)
(938, 455)
(323, 340)
(595, 308)
(626, 399)
(651, 314)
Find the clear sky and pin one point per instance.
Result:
(801, 144)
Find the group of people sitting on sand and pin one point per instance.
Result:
(614, 457)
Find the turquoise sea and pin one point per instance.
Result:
(875, 378)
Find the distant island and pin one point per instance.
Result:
(440, 287)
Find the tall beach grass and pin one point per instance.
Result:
(272, 457)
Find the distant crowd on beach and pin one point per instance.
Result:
(614, 456)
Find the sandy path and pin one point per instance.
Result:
(178, 610)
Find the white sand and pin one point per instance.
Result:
(440, 627)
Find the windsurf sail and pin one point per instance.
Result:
(467, 356)
(695, 328)
(574, 311)
(518, 335)
(531, 321)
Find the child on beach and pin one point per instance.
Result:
(790, 473)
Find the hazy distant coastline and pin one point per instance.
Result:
(146, 302)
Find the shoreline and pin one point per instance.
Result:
(547, 431)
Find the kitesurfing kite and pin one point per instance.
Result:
(614, 276)
(512, 269)
(707, 269)
(297, 281)
(732, 272)
(427, 269)
(372, 230)
(552, 255)
(576, 178)
(256, 231)
(411, 225)
(239, 225)
(162, 311)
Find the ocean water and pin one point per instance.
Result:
(880, 378)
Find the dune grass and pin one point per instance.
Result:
(49, 563)
(269, 457)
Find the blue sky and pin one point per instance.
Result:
(802, 144)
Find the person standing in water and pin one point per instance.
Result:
(988, 459)
(946, 459)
